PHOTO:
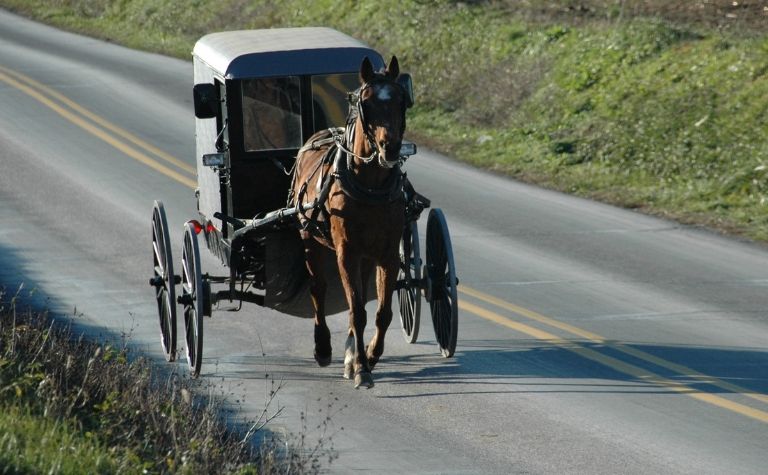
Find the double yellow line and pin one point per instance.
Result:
(634, 371)
(101, 128)
(183, 173)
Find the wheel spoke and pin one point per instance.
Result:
(158, 255)
(408, 296)
(439, 323)
(185, 268)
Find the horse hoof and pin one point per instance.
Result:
(364, 379)
(349, 371)
(322, 361)
(372, 360)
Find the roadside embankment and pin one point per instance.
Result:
(647, 104)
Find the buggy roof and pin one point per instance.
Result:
(283, 52)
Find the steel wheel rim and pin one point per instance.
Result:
(442, 274)
(165, 293)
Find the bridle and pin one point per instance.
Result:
(356, 111)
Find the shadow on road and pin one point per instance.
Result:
(528, 366)
(524, 366)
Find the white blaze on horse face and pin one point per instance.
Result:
(383, 92)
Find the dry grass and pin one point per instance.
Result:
(128, 416)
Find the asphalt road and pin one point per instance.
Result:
(591, 339)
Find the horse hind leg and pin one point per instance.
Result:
(315, 263)
(323, 350)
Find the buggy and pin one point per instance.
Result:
(259, 96)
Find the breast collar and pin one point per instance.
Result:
(389, 192)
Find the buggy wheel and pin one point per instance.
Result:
(192, 298)
(409, 282)
(164, 281)
(441, 286)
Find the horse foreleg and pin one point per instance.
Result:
(355, 361)
(386, 279)
(349, 355)
(316, 267)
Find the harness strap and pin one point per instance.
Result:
(334, 134)
(391, 191)
(312, 217)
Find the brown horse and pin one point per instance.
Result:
(362, 218)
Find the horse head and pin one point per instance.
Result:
(380, 115)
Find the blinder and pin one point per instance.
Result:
(406, 84)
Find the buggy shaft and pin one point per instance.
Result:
(274, 217)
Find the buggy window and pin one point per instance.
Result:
(271, 113)
(329, 98)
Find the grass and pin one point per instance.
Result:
(31, 444)
(70, 405)
(645, 115)
(647, 104)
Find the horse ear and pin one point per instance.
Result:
(393, 70)
(366, 71)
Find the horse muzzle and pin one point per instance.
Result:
(389, 155)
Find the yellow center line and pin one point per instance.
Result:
(96, 131)
(594, 338)
(616, 364)
(530, 314)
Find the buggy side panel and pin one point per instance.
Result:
(257, 186)
(206, 130)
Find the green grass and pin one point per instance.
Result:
(646, 104)
(31, 444)
(643, 115)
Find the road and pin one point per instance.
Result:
(591, 339)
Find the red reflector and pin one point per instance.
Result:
(198, 227)
(209, 228)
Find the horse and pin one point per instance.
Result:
(358, 176)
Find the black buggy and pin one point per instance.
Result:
(258, 96)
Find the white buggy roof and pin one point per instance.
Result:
(283, 52)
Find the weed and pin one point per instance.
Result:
(74, 406)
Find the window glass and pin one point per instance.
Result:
(329, 98)
(271, 113)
